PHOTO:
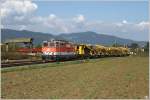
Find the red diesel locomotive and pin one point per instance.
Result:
(58, 50)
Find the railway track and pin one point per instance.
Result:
(25, 62)
(12, 63)
(5, 64)
(20, 63)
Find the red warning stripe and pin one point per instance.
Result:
(61, 49)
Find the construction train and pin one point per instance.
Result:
(65, 50)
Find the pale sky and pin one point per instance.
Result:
(125, 19)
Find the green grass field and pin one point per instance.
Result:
(120, 77)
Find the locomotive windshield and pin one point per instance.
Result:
(45, 44)
(51, 44)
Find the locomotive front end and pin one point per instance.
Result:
(58, 50)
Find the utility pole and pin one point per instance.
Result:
(124, 45)
(115, 43)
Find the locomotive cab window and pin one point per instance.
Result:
(51, 44)
(62, 44)
(57, 44)
(45, 44)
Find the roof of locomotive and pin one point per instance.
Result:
(58, 40)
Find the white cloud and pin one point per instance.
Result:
(17, 7)
(124, 22)
(1, 26)
(22, 27)
(17, 12)
(143, 24)
(119, 24)
(52, 16)
(79, 18)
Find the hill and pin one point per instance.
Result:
(37, 36)
(80, 37)
(94, 38)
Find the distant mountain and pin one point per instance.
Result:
(80, 37)
(37, 36)
(94, 38)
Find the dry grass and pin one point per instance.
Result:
(125, 77)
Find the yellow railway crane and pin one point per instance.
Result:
(89, 51)
(82, 50)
